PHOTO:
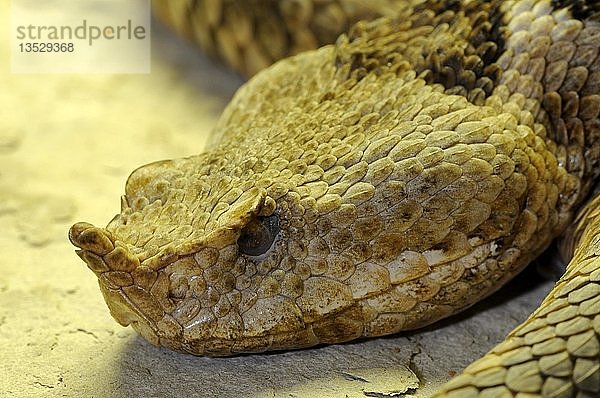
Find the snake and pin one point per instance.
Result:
(374, 185)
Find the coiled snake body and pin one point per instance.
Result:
(374, 186)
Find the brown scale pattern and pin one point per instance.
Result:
(413, 168)
(251, 35)
(556, 352)
(468, 40)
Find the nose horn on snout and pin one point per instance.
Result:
(88, 237)
(99, 251)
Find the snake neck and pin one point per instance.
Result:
(405, 173)
(535, 60)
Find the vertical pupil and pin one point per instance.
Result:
(258, 236)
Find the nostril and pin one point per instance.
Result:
(94, 262)
(99, 251)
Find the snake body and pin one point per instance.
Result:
(375, 186)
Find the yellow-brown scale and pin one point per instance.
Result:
(556, 352)
(375, 186)
(251, 35)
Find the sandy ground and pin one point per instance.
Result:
(67, 145)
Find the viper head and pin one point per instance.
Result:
(201, 259)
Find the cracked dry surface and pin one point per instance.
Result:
(364, 188)
(57, 339)
(376, 186)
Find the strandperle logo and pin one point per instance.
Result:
(74, 36)
(85, 31)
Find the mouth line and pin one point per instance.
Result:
(105, 256)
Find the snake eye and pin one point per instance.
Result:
(258, 236)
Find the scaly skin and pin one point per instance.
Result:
(252, 34)
(379, 185)
(556, 352)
